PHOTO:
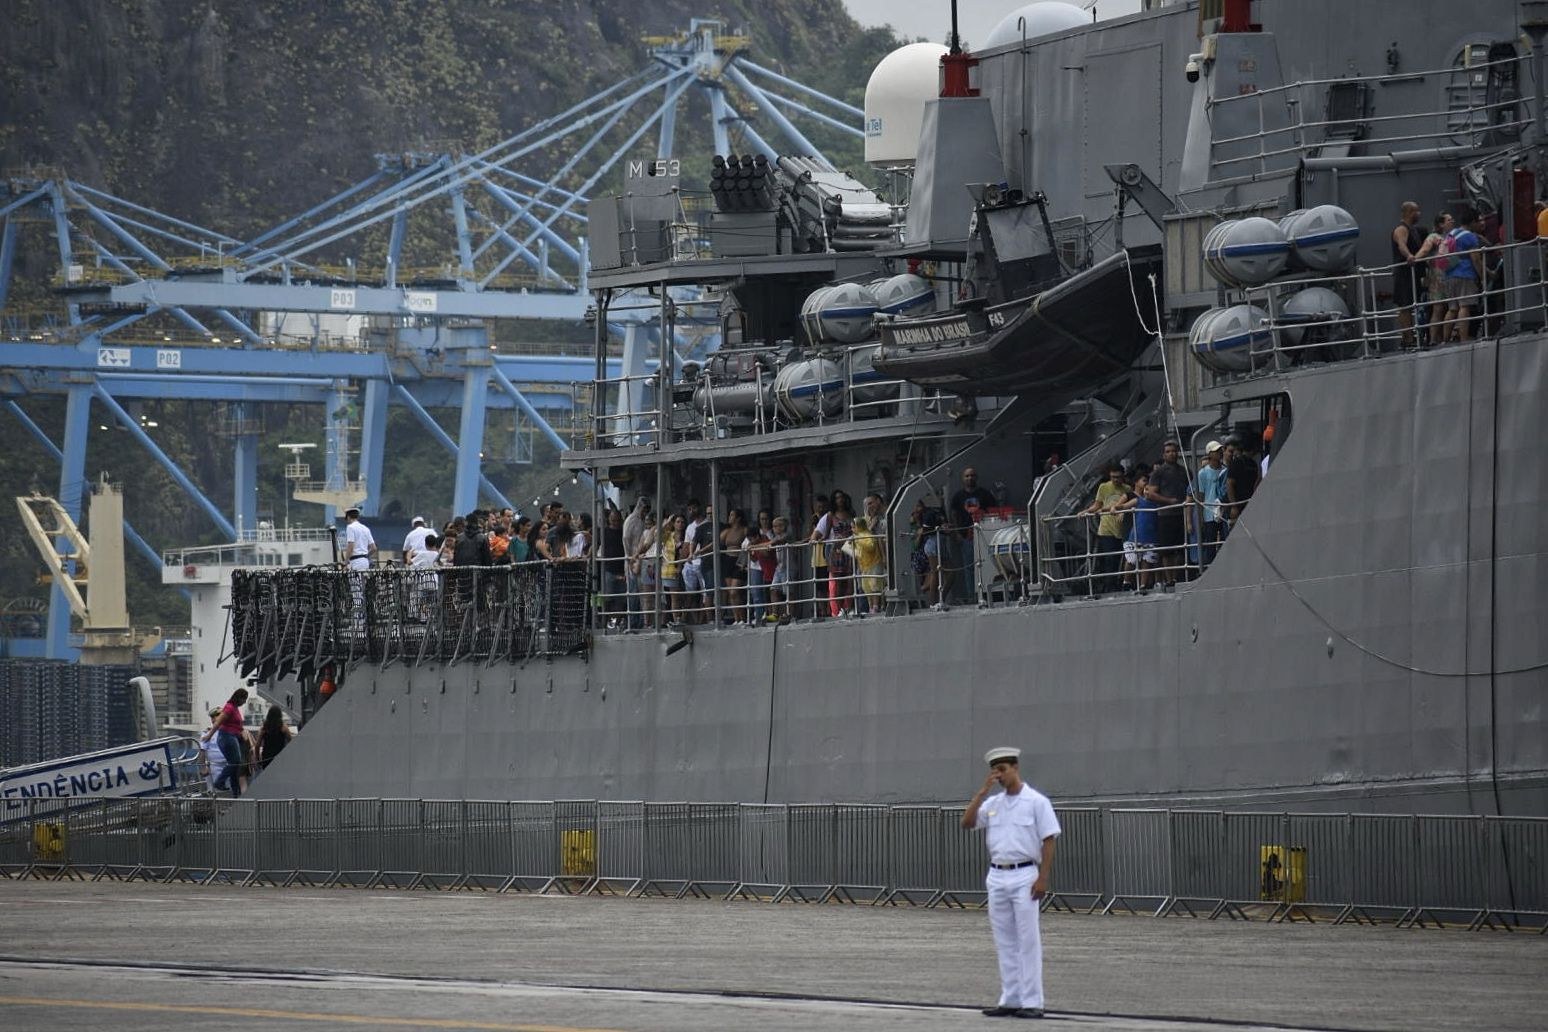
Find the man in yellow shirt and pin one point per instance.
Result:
(1109, 536)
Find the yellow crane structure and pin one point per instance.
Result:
(96, 564)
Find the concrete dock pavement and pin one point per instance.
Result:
(131, 956)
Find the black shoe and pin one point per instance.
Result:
(1001, 1012)
(1030, 1012)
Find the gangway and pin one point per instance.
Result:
(156, 767)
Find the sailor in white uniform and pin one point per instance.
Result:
(415, 540)
(1021, 827)
(359, 545)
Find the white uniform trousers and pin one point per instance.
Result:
(1013, 917)
(357, 575)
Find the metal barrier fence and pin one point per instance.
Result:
(1445, 871)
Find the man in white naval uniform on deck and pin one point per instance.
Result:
(358, 542)
(1021, 827)
(360, 548)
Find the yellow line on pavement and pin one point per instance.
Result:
(283, 1015)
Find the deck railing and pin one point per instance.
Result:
(1300, 118)
(1511, 296)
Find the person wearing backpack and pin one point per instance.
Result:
(1463, 254)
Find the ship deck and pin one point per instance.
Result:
(145, 956)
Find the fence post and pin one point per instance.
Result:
(1349, 853)
(1171, 851)
(337, 809)
(741, 844)
(462, 866)
(833, 843)
(216, 820)
(790, 867)
(1102, 857)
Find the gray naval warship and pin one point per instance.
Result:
(1177, 225)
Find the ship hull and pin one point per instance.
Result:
(1372, 637)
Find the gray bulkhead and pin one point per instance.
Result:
(1389, 509)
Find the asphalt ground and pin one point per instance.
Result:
(126, 957)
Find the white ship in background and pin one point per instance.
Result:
(204, 572)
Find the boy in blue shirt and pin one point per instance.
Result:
(1464, 282)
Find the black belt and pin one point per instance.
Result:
(1012, 867)
(354, 557)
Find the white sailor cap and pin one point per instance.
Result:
(417, 521)
(1004, 752)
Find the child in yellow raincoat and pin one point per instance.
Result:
(870, 563)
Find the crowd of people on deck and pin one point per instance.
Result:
(1158, 523)
(1150, 525)
(1444, 271)
(685, 559)
(693, 565)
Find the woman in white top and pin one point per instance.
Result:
(580, 542)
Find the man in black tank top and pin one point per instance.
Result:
(1407, 249)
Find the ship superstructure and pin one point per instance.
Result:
(1173, 226)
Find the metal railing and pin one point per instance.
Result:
(1285, 130)
(285, 621)
(798, 587)
(1512, 295)
(909, 569)
(843, 388)
(1441, 871)
(1073, 555)
(245, 551)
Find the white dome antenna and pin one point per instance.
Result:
(895, 97)
(1043, 18)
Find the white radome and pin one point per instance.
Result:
(1043, 18)
(895, 97)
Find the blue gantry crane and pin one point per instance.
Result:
(380, 295)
